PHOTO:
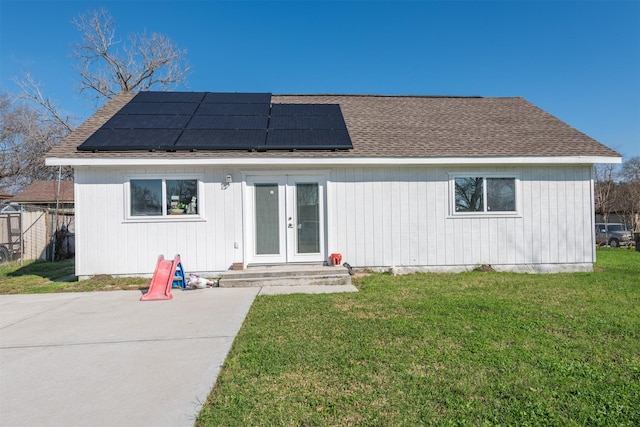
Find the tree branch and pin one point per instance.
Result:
(107, 66)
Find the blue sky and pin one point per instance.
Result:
(578, 60)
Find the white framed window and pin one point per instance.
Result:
(484, 194)
(173, 197)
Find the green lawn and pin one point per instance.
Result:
(46, 277)
(442, 349)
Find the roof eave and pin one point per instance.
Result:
(331, 161)
(43, 202)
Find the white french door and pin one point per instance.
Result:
(285, 221)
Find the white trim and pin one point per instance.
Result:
(327, 161)
(546, 268)
(128, 218)
(249, 219)
(292, 253)
(306, 172)
(485, 213)
(284, 179)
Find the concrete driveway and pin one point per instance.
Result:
(107, 359)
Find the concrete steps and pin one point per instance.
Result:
(285, 275)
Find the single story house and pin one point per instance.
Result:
(414, 183)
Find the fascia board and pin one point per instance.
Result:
(343, 161)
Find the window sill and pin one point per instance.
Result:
(485, 215)
(167, 218)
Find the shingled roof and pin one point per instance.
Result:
(40, 192)
(397, 127)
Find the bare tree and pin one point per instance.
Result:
(26, 134)
(630, 173)
(618, 192)
(108, 66)
(51, 113)
(32, 123)
(630, 169)
(604, 189)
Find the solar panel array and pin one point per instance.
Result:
(172, 121)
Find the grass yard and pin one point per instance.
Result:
(47, 277)
(442, 349)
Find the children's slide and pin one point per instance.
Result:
(162, 281)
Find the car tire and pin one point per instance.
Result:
(614, 243)
(4, 254)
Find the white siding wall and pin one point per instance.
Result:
(376, 217)
(106, 243)
(381, 217)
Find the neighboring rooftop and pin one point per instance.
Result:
(44, 192)
(396, 127)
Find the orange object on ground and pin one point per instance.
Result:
(336, 259)
(160, 288)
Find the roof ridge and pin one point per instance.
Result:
(397, 96)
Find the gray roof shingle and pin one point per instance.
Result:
(45, 192)
(399, 127)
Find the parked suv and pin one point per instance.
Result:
(613, 235)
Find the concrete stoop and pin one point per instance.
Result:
(286, 275)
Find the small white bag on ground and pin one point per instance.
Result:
(197, 282)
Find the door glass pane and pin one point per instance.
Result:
(308, 215)
(267, 221)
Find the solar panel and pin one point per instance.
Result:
(233, 109)
(146, 121)
(305, 110)
(215, 139)
(308, 140)
(168, 97)
(182, 108)
(237, 98)
(219, 121)
(307, 122)
(228, 122)
(130, 139)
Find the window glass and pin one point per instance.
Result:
(484, 194)
(182, 196)
(501, 194)
(158, 197)
(469, 195)
(146, 197)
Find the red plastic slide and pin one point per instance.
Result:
(160, 288)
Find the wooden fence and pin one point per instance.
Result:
(30, 234)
